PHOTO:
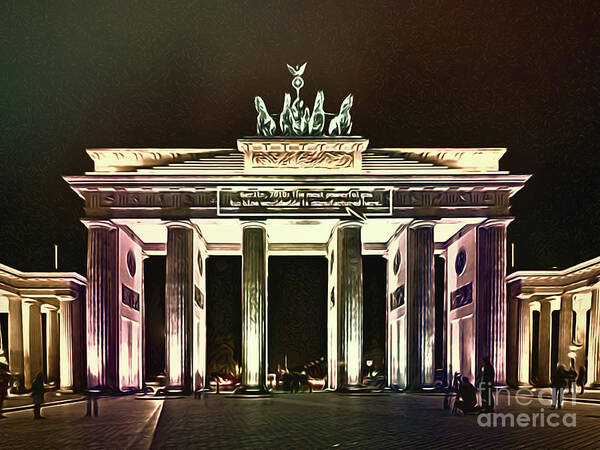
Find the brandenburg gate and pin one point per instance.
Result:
(294, 190)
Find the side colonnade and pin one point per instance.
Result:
(56, 351)
(554, 319)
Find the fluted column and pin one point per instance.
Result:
(66, 346)
(32, 341)
(491, 309)
(350, 306)
(53, 346)
(545, 342)
(420, 305)
(254, 309)
(524, 342)
(179, 298)
(102, 306)
(15, 342)
(565, 334)
(594, 344)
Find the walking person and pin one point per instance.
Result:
(572, 379)
(4, 383)
(486, 385)
(558, 380)
(582, 378)
(37, 394)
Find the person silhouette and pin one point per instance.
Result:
(486, 385)
(582, 379)
(468, 397)
(37, 394)
(558, 380)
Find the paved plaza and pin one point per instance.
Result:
(320, 420)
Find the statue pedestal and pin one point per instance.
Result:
(302, 154)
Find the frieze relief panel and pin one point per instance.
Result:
(130, 298)
(205, 199)
(462, 296)
(308, 155)
(302, 160)
(432, 199)
(316, 201)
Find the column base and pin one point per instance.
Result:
(252, 391)
(177, 390)
(66, 390)
(354, 389)
(18, 384)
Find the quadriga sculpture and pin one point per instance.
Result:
(296, 119)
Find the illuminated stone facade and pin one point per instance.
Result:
(554, 318)
(333, 197)
(30, 299)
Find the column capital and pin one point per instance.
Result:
(48, 308)
(180, 224)
(30, 301)
(93, 223)
(254, 224)
(496, 222)
(350, 223)
(421, 224)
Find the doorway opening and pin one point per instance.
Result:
(297, 321)
(223, 322)
(374, 311)
(154, 323)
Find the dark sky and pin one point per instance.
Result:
(523, 75)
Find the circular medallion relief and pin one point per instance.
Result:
(461, 261)
(131, 263)
(200, 263)
(397, 261)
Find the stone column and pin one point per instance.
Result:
(66, 346)
(15, 342)
(512, 350)
(53, 346)
(593, 372)
(32, 341)
(545, 342)
(565, 334)
(254, 309)
(102, 306)
(491, 310)
(179, 298)
(420, 305)
(524, 342)
(350, 306)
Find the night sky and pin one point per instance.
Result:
(184, 74)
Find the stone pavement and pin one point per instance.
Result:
(22, 401)
(320, 420)
(334, 421)
(123, 422)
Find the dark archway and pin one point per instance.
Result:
(154, 323)
(374, 296)
(297, 322)
(223, 314)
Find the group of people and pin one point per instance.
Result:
(466, 393)
(562, 378)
